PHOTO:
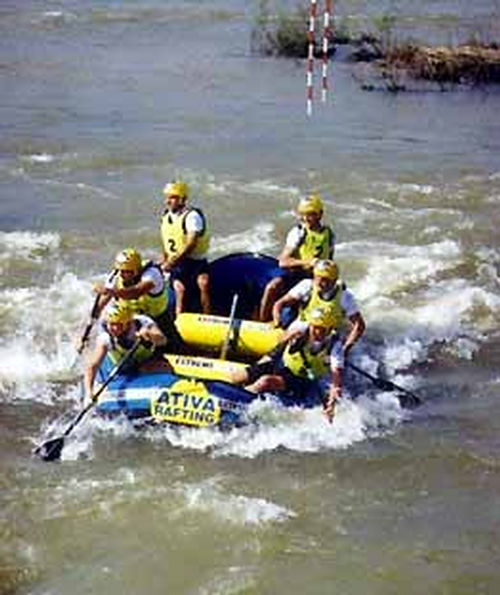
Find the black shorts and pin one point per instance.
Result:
(188, 270)
(175, 342)
(295, 386)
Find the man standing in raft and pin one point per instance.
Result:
(185, 241)
(306, 242)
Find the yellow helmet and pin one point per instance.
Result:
(320, 316)
(177, 188)
(327, 269)
(119, 313)
(128, 260)
(310, 204)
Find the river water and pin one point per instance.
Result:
(101, 104)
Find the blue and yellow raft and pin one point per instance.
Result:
(195, 390)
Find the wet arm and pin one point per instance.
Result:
(286, 260)
(334, 393)
(286, 300)
(93, 367)
(152, 334)
(357, 329)
(133, 292)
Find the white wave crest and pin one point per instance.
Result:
(272, 427)
(28, 245)
(238, 509)
(40, 158)
(259, 238)
(45, 328)
(391, 268)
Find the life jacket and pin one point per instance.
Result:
(121, 345)
(174, 233)
(151, 304)
(302, 362)
(332, 305)
(315, 244)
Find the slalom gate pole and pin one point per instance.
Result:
(310, 56)
(311, 34)
(326, 41)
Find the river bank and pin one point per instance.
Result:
(395, 59)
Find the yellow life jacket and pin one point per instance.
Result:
(151, 304)
(120, 346)
(332, 305)
(174, 234)
(315, 244)
(299, 359)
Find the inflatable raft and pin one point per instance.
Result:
(195, 390)
(166, 396)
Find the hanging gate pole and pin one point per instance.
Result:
(311, 34)
(326, 41)
(310, 56)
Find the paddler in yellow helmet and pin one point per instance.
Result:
(307, 357)
(324, 289)
(307, 242)
(185, 240)
(119, 332)
(141, 286)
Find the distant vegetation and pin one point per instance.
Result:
(395, 63)
(280, 34)
(469, 64)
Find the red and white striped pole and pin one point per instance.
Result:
(326, 40)
(310, 55)
(327, 16)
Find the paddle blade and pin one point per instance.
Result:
(51, 449)
(409, 400)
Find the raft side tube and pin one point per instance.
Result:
(208, 332)
(206, 368)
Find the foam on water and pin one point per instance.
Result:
(257, 239)
(254, 188)
(44, 329)
(207, 496)
(270, 427)
(42, 157)
(124, 486)
(307, 430)
(87, 496)
(27, 245)
(391, 269)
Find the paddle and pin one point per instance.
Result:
(227, 340)
(94, 315)
(407, 398)
(50, 450)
